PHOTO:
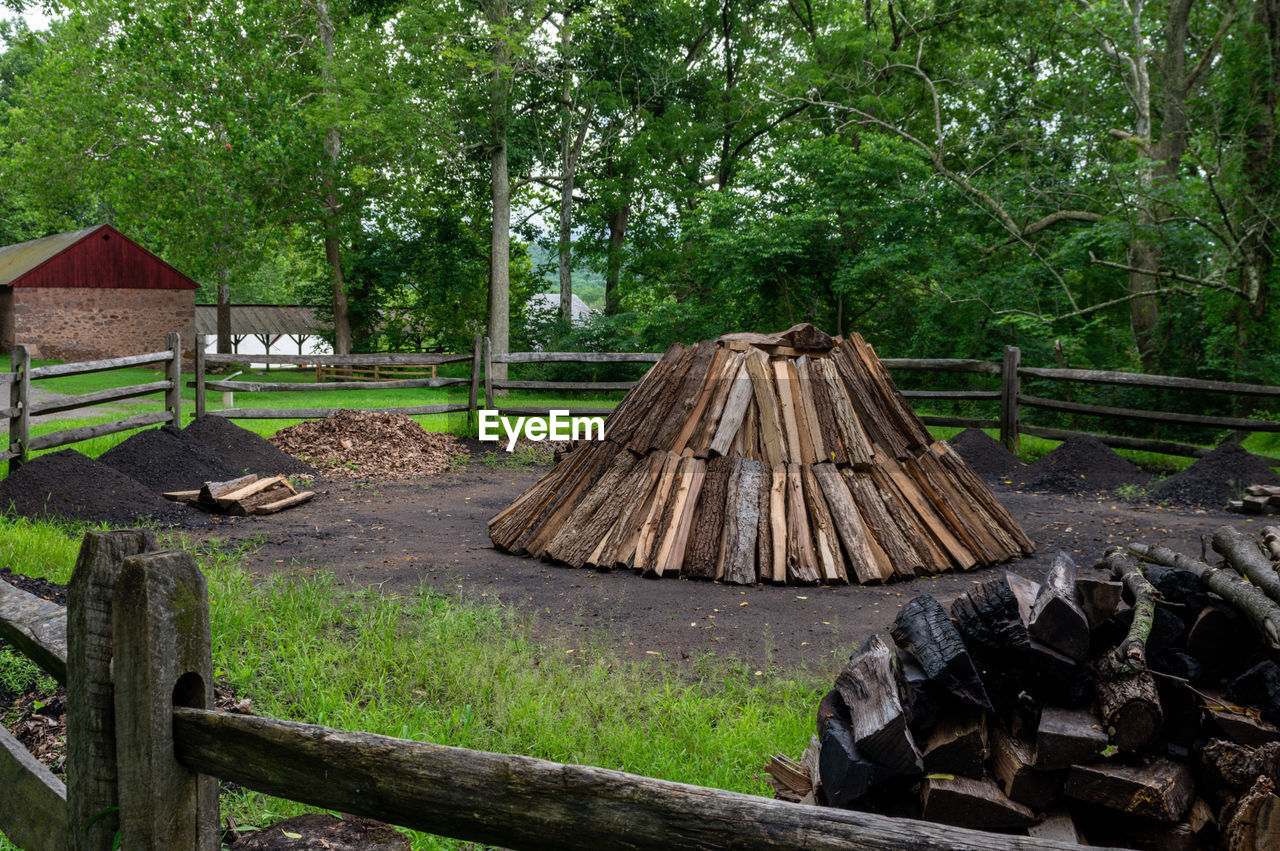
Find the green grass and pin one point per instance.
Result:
(428, 667)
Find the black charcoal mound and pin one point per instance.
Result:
(242, 450)
(1082, 464)
(1220, 476)
(986, 456)
(69, 486)
(166, 459)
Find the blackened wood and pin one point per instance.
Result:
(525, 803)
(1261, 611)
(36, 628)
(869, 688)
(1162, 789)
(1013, 767)
(1242, 553)
(958, 744)
(1099, 598)
(1260, 686)
(1066, 737)
(1056, 619)
(161, 644)
(1241, 728)
(91, 746)
(965, 802)
(1215, 635)
(33, 802)
(925, 629)
(703, 550)
(846, 773)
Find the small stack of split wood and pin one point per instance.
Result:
(1135, 711)
(1258, 499)
(788, 458)
(243, 496)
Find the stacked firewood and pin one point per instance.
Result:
(243, 496)
(764, 458)
(1138, 710)
(1258, 499)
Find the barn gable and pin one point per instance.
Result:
(97, 257)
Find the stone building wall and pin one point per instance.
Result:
(89, 323)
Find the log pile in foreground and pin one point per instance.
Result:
(788, 458)
(1138, 709)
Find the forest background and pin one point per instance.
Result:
(943, 176)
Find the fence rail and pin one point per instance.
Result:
(492, 384)
(22, 408)
(145, 752)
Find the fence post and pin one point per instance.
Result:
(162, 651)
(173, 371)
(1010, 387)
(20, 401)
(473, 399)
(91, 738)
(201, 342)
(488, 373)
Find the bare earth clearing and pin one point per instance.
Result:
(398, 535)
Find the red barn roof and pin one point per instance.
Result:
(99, 256)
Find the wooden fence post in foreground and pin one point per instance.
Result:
(173, 371)
(162, 649)
(1010, 387)
(91, 734)
(20, 402)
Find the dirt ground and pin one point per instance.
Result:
(397, 535)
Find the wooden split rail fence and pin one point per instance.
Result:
(145, 750)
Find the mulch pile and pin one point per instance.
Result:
(69, 485)
(986, 456)
(243, 450)
(167, 459)
(369, 444)
(1220, 476)
(1082, 464)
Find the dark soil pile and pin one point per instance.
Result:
(1082, 464)
(370, 444)
(986, 456)
(166, 459)
(72, 486)
(244, 451)
(1220, 476)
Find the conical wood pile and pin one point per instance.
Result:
(764, 458)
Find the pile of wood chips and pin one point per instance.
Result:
(1135, 711)
(243, 496)
(370, 444)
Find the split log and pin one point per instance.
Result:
(1013, 766)
(1056, 619)
(1057, 826)
(182, 496)
(1242, 553)
(742, 522)
(690, 393)
(1271, 539)
(894, 551)
(925, 629)
(802, 561)
(649, 529)
(958, 744)
(826, 542)
(1254, 824)
(208, 495)
(789, 405)
(772, 441)
(1227, 769)
(1068, 737)
(849, 524)
(675, 541)
(1099, 598)
(869, 687)
(1215, 635)
(699, 443)
(735, 409)
(227, 500)
(1260, 686)
(964, 802)
(1262, 612)
(847, 775)
(853, 437)
(1162, 790)
(988, 616)
(778, 524)
(1242, 728)
(282, 504)
(764, 526)
(703, 551)
(809, 408)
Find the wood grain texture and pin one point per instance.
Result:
(33, 802)
(36, 628)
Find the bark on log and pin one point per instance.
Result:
(1161, 790)
(869, 687)
(1242, 553)
(1261, 611)
(1254, 824)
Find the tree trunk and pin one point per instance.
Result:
(224, 312)
(613, 264)
(497, 15)
(1262, 183)
(567, 157)
(333, 150)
